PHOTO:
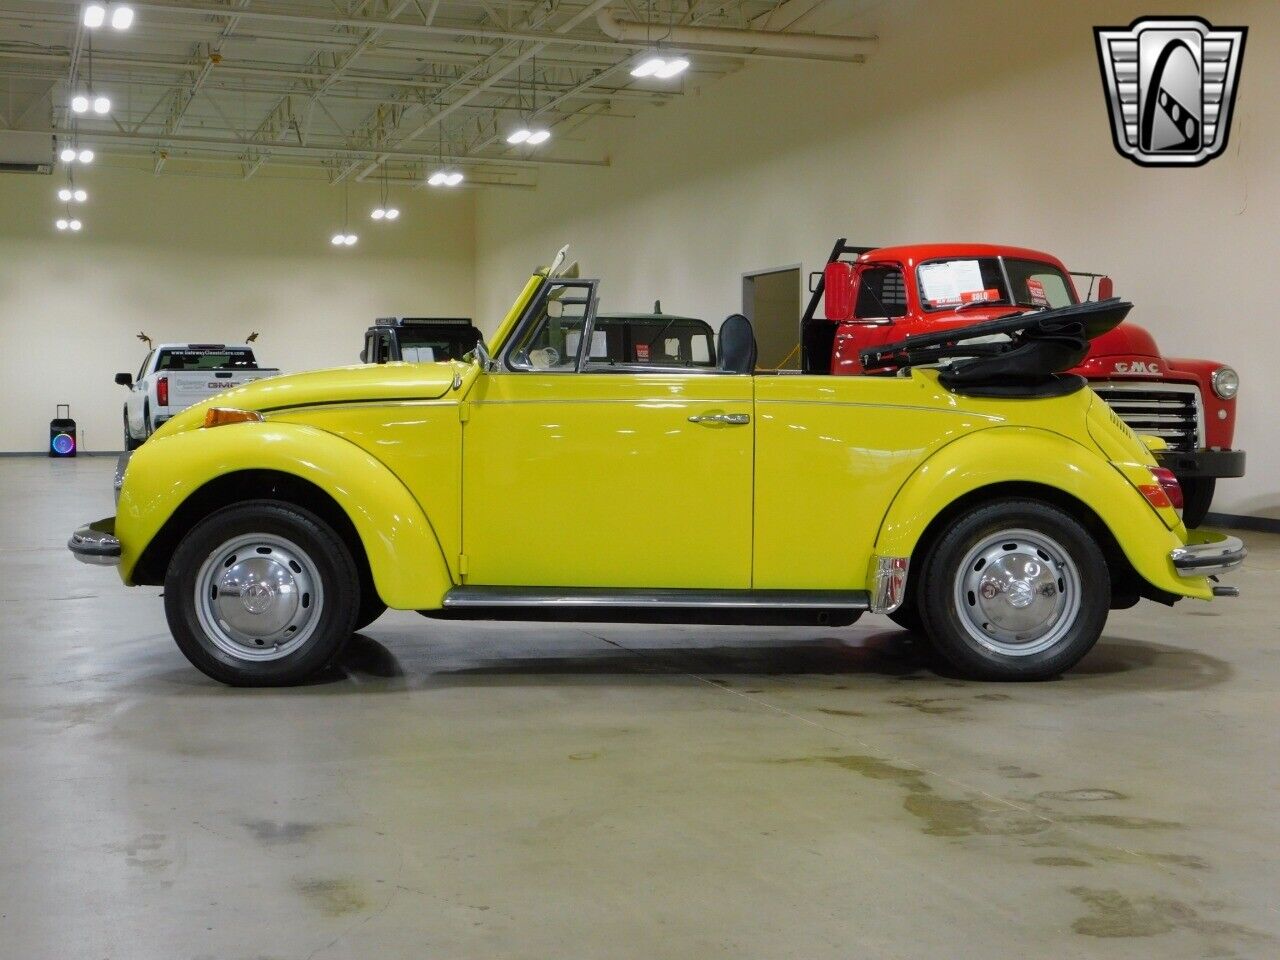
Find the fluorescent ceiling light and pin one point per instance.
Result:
(649, 67)
(378, 213)
(74, 224)
(539, 136)
(518, 136)
(671, 69)
(65, 195)
(79, 103)
(95, 14)
(80, 196)
(392, 213)
(337, 239)
(121, 17)
(86, 156)
(67, 155)
(101, 105)
(453, 179)
(349, 239)
(61, 224)
(437, 178)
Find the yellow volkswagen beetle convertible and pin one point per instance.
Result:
(973, 493)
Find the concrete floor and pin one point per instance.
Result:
(484, 791)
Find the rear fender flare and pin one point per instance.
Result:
(1039, 457)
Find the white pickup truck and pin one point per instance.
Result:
(176, 375)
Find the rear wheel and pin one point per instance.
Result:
(129, 442)
(1197, 496)
(1014, 590)
(261, 594)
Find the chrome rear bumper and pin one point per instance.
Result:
(96, 543)
(1212, 557)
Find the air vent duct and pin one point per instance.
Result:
(24, 151)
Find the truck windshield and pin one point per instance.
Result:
(212, 358)
(947, 284)
(425, 346)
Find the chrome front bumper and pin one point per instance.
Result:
(1207, 559)
(96, 543)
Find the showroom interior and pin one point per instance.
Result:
(663, 616)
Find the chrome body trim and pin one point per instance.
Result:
(1207, 559)
(96, 543)
(606, 597)
(890, 587)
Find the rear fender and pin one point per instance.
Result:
(1001, 455)
(404, 554)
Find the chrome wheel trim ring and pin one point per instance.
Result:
(1017, 592)
(258, 597)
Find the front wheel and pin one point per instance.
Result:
(1014, 590)
(1197, 496)
(261, 594)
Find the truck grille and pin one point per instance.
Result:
(1167, 410)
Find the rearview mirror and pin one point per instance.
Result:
(364, 355)
(124, 379)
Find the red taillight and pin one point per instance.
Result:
(1165, 492)
(162, 391)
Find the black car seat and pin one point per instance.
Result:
(737, 345)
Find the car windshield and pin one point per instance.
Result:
(206, 358)
(948, 284)
(653, 339)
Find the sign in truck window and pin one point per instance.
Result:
(947, 281)
(206, 358)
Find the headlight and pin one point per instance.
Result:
(1226, 382)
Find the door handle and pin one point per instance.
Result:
(732, 419)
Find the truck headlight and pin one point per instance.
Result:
(1226, 382)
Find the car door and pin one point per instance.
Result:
(593, 475)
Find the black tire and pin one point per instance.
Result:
(1050, 591)
(129, 442)
(1197, 496)
(371, 606)
(327, 592)
(907, 616)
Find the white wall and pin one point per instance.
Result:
(976, 121)
(198, 259)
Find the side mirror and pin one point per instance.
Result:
(482, 357)
(1106, 288)
(364, 355)
(124, 379)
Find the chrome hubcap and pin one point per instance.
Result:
(1017, 592)
(258, 597)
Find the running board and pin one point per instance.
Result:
(604, 597)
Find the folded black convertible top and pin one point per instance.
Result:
(1019, 355)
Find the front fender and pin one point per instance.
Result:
(404, 554)
(1034, 456)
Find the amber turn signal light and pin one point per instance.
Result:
(221, 416)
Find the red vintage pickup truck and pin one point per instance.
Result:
(875, 295)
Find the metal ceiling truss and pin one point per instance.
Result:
(364, 88)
